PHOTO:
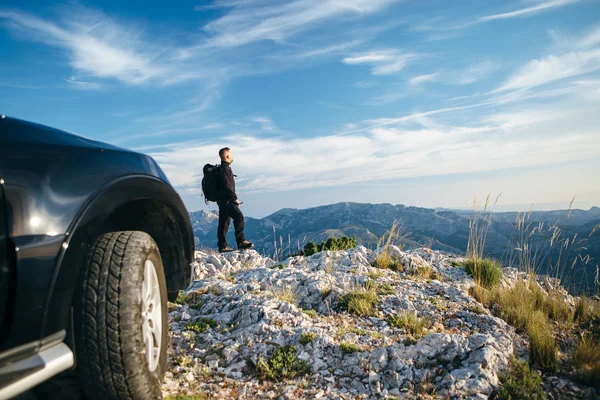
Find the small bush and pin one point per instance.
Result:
(200, 326)
(311, 313)
(190, 299)
(361, 302)
(307, 338)
(521, 383)
(325, 293)
(409, 321)
(331, 244)
(346, 347)
(586, 361)
(283, 364)
(486, 272)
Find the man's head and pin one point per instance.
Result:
(225, 154)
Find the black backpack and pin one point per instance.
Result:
(210, 182)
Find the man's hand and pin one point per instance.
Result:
(237, 202)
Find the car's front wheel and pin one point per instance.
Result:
(121, 328)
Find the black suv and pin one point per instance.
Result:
(93, 241)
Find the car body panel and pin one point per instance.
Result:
(4, 267)
(57, 184)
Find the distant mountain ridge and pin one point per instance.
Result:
(446, 230)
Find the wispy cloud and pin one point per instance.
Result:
(475, 72)
(383, 62)
(96, 46)
(584, 58)
(515, 137)
(527, 11)
(253, 21)
(418, 80)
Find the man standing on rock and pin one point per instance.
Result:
(229, 206)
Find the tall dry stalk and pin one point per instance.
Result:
(479, 226)
(275, 243)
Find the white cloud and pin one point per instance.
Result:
(553, 68)
(96, 46)
(382, 62)
(418, 80)
(252, 21)
(475, 72)
(563, 130)
(527, 11)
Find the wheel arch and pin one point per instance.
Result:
(136, 202)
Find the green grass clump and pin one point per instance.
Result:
(347, 347)
(424, 271)
(362, 302)
(286, 293)
(307, 338)
(385, 289)
(521, 383)
(486, 272)
(527, 310)
(282, 364)
(477, 309)
(409, 321)
(189, 299)
(586, 361)
(541, 339)
(200, 326)
(587, 314)
(311, 313)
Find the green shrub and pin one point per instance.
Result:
(200, 326)
(586, 361)
(486, 272)
(347, 347)
(307, 338)
(361, 302)
(282, 364)
(311, 313)
(521, 383)
(409, 321)
(331, 244)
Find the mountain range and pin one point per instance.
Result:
(446, 230)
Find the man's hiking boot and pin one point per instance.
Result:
(226, 250)
(245, 245)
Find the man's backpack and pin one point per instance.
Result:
(210, 182)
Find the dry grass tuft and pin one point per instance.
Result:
(410, 322)
(586, 361)
(362, 301)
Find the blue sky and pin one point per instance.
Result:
(426, 103)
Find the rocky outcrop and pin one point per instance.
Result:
(259, 305)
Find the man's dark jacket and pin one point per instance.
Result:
(226, 183)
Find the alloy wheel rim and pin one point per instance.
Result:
(151, 315)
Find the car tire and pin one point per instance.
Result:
(121, 329)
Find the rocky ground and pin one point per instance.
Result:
(247, 306)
